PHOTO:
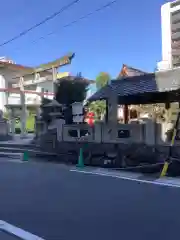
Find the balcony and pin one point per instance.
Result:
(175, 27)
(14, 99)
(176, 52)
(176, 36)
(175, 44)
(175, 17)
(176, 61)
(30, 99)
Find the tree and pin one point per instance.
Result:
(70, 91)
(102, 80)
(99, 107)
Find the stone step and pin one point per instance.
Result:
(16, 145)
(11, 155)
(20, 151)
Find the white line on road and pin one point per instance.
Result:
(160, 182)
(18, 232)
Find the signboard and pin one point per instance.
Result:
(62, 74)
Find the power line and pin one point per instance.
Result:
(40, 23)
(77, 20)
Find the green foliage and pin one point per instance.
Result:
(102, 80)
(70, 91)
(99, 108)
(6, 115)
(30, 121)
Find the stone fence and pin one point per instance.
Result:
(104, 133)
(148, 132)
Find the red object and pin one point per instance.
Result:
(90, 118)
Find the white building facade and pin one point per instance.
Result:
(170, 25)
(8, 72)
(43, 81)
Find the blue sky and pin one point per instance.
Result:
(127, 32)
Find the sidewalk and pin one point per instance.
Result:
(136, 177)
(18, 140)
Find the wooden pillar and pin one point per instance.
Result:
(12, 121)
(167, 105)
(126, 114)
(167, 114)
(107, 109)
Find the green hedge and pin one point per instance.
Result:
(29, 125)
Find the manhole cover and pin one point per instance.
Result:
(7, 236)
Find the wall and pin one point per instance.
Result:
(166, 33)
(3, 99)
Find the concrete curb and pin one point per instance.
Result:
(11, 155)
(135, 177)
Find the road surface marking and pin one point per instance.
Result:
(18, 232)
(160, 182)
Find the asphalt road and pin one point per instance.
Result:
(56, 204)
(6, 236)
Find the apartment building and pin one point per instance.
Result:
(170, 25)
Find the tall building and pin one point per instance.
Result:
(170, 25)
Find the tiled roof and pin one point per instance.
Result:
(134, 85)
(130, 72)
(13, 65)
(128, 86)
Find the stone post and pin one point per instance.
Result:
(23, 115)
(150, 135)
(12, 121)
(106, 117)
(112, 115)
(112, 109)
(23, 109)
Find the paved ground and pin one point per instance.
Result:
(56, 204)
(18, 140)
(6, 236)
